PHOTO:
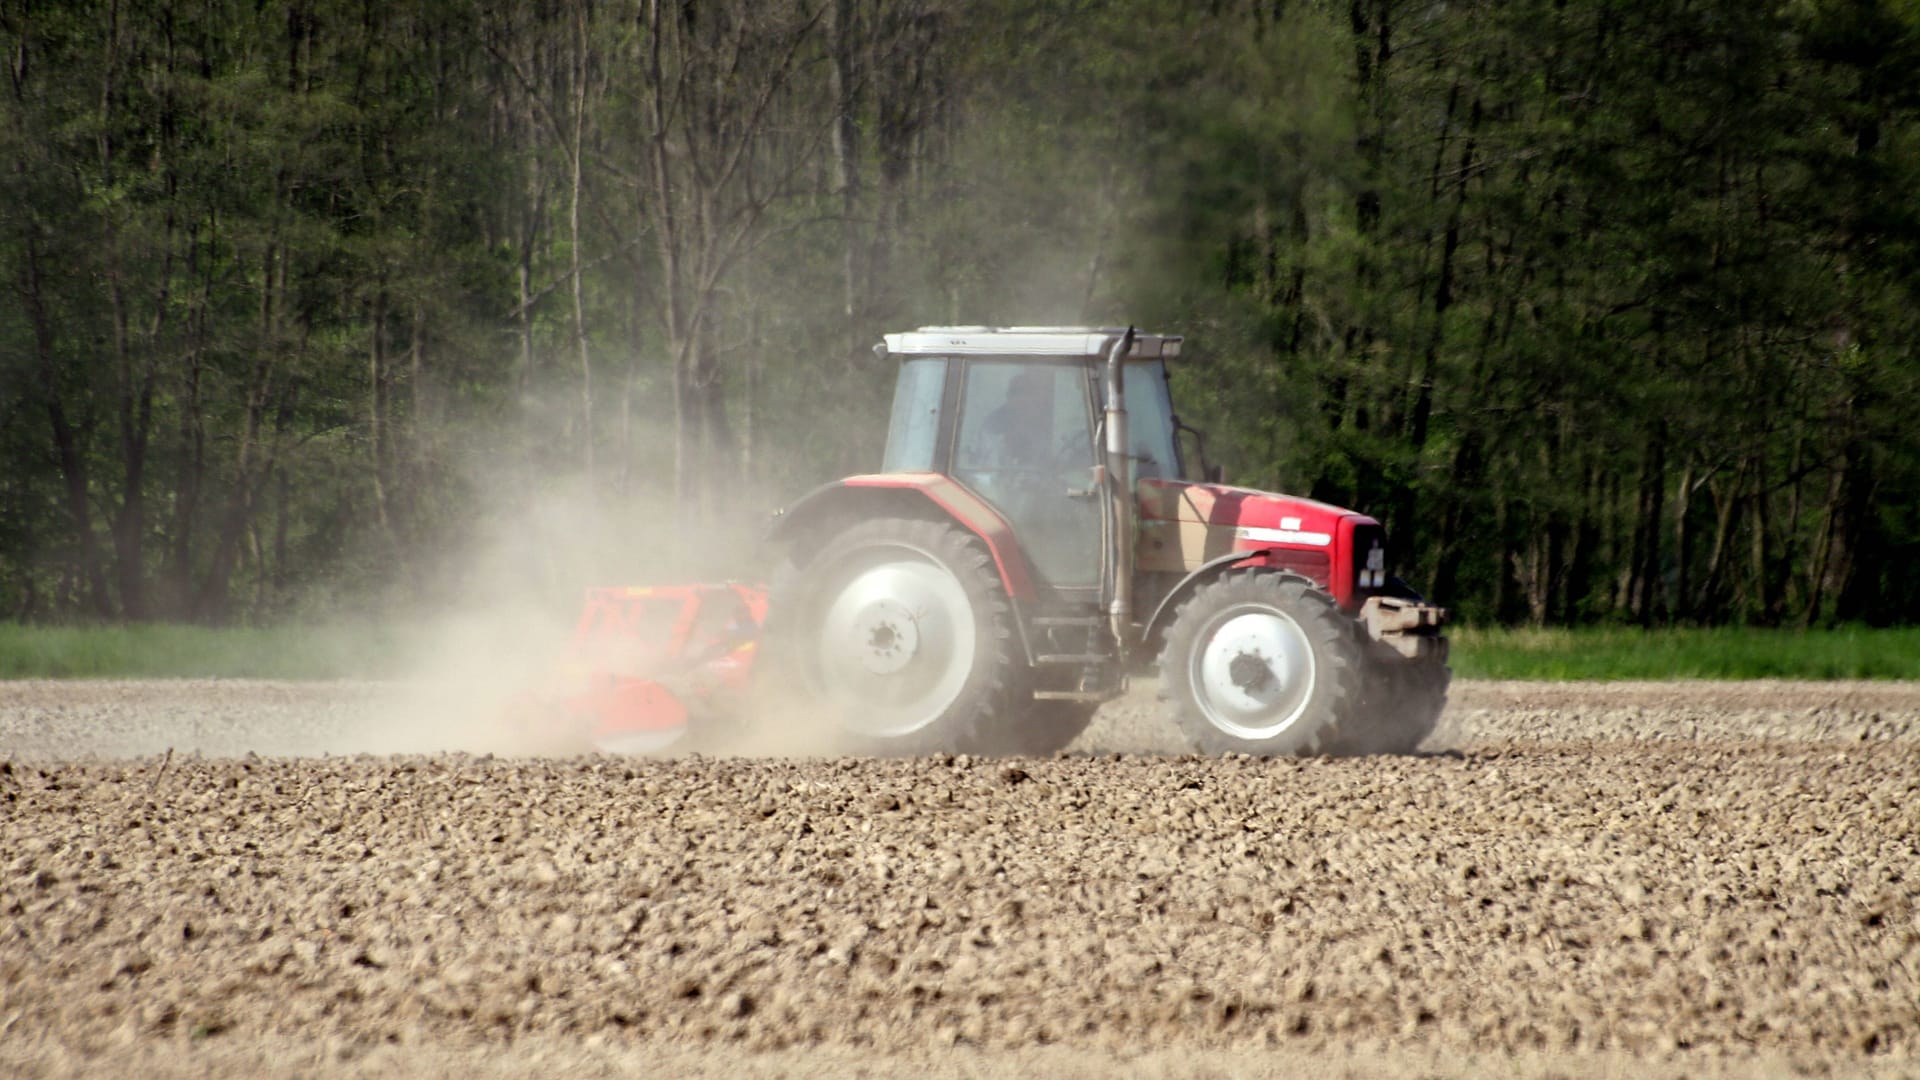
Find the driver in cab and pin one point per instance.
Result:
(1018, 433)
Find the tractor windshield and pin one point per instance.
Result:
(1150, 435)
(1024, 417)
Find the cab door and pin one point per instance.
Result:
(1024, 442)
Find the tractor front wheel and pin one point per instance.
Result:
(1261, 662)
(899, 631)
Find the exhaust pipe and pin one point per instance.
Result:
(1120, 476)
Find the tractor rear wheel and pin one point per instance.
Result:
(1261, 662)
(900, 632)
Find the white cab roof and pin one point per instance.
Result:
(1028, 341)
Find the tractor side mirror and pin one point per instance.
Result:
(1210, 472)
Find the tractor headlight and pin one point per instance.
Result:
(1374, 574)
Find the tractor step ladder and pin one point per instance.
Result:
(1092, 630)
(1092, 627)
(1089, 621)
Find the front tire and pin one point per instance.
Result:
(900, 632)
(1261, 662)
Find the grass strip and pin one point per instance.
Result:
(372, 652)
(1616, 653)
(155, 651)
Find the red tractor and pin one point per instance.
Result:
(1033, 537)
(1031, 540)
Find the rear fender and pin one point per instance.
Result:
(1267, 557)
(812, 519)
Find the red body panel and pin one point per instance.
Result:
(971, 511)
(1291, 532)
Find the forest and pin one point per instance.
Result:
(1606, 308)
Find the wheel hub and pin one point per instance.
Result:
(1253, 674)
(894, 642)
(1250, 672)
(888, 636)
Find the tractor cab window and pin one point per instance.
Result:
(1150, 433)
(1025, 444)
(914, 430)
(1023, 417)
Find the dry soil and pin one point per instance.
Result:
(229, 878)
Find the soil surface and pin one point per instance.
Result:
(214, 879)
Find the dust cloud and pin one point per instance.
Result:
(490, 656)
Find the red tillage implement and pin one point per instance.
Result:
(642, 659)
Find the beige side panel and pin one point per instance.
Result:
(1174, 503)
(1180, 546)
(1174, 534)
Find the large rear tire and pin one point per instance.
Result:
(1261, 662)
(898, 633)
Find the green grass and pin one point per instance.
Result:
(1725, 653)
(157, 652)
(361, 652)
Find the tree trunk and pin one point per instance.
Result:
(1645, 592)
(212, 600)
(844, 83)
(190, 478)
(575, 151)
(666, 231)
(1765, 597)
(1712, 593)
(1860, 543)
(1683, 545)
(67, 441)
(378, 420)
(1578, 579)
(1820, 572)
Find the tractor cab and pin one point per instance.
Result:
(952, 380)
(1015, 415)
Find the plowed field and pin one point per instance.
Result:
(225, 879)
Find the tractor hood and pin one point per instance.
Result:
(1184, 526)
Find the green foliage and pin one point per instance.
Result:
(1557, 654)
(1606, 309)
(1573, 296)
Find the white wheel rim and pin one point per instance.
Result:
(895, 642)
(1252, 672)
